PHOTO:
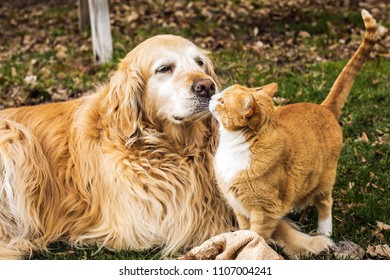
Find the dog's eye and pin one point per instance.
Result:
(200, 62)
(164, 69)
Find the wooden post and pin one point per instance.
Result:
(101, 30)
(83, 15)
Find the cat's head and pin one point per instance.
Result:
(237, 106)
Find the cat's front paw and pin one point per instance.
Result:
(309, 245)
(325, 232)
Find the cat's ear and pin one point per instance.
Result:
(247, 108)
(270, 89)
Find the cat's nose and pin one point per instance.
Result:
(203, 87)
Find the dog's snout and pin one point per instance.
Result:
(203, 87)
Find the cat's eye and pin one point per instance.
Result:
(221, 101)
(164, 69)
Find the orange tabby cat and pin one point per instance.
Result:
(270, 160)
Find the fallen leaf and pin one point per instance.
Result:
(349, 250)
(364, 138)
(61, 51)
(382, 31)
(304, 34)
(382, 226)
(280, 100)
(258, 46)
(379, 153)
(60, 95)
(45, 72)
(381, 237)
(13, 72)
(379, 251)
(30, 79)
(132, 17)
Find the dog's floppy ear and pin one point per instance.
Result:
(124, 97)
(209, 67)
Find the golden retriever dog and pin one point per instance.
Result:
(128, 167)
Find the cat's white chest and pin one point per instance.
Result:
(232, 155)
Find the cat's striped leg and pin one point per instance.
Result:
(264, 223)
(243, 221)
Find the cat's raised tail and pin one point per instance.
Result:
(341, 87)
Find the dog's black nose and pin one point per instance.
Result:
(203, 87)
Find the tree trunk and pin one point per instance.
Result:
(84, 20)
(101, 30)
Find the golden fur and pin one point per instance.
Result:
(288, 155)
(115, 168)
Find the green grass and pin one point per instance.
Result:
(361, 193)
(62, 251)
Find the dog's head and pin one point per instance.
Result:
(165, 78)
